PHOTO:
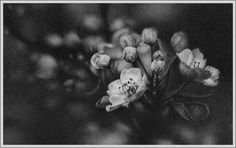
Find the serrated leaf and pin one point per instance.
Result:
(192, 111)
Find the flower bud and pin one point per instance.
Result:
(126, 41)
(149, 35)
(130, 54)
(158, 55)
(145, 55)
(99, 60)
(101, 47)
(157, 66)
(119, 65)
(117, 34)
(179, 41)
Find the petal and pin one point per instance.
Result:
(198, 59)
(210, 82)
(133, 73)
(113, 87)
(202, 74)
(186, 56)
(214, 72)
(93, 60)
(117, 99)
(187, 71)
(137, 95)
(143, 83)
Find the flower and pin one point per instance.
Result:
(193, 66)
(157, 65)
(130, 54)
(179, 41)
(130, 87)
(126, 41)
(100, 60)
(149, 35)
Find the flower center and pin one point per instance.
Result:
(196, 64)
(129, 88)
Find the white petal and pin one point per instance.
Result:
(198, 59)
(186, 56)
(137, 95)
(93, 60)
(133, 73)
(210, 82)
(110, 108)
(143, 83)
(117, 99)
(214, 72)
(113, 87)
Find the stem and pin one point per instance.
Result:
(168, 72)
(147, 100)
(155, 77)
(132, 117)
(95, 89)
(114, 74)
(149, 78)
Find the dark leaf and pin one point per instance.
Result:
(103, 102)
(192, 111)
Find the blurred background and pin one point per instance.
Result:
(47, 48)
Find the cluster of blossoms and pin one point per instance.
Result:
(143, 62)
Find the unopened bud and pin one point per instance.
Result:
(101, 47)
(145, 55)
(117, 34)
(157, 66)
(126, 41)
(130, 54)
(179, 41)
(100, 61)
(158, 55)
(149, 35)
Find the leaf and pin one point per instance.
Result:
(103, 102)
(192, 111)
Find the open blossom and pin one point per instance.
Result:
(193, 65)
(100, 60)
(130, 54)
(130, 87)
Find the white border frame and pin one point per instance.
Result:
(107, 1)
